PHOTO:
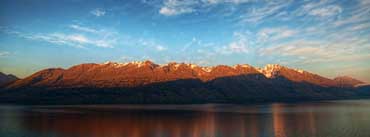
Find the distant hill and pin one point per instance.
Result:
(147, 82)
(346, 81)
(5, 79)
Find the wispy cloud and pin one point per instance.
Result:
(160, 48)
(177, 7)
(361, 26)
(326, 11)
(76, 40)
(70, 39)
(195, 44)
(81, 37)
(311, 52)
(240, 44)
(360, 13)
(308, 6)
(275, 34)
(82, 28)
(263, 10)
(85, 37)
(4, 53)
(226, 1)
(337, 37)
(98, 12)
(299, 48)
(149, 44)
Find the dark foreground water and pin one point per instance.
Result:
(350, 118)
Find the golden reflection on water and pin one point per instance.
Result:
(298, 122)
(147, 124)
(278, 120)
(199, 124)
(152, 124)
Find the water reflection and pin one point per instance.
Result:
(279, 120)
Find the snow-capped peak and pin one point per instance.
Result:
(115, 64)
(299, 70)
(242, 66)
(136, 63)
(270, 70)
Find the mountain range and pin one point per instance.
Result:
(147, 82)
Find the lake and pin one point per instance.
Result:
(346, 118)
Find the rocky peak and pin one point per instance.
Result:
(133, 63)
(270, 70)
(142, 63)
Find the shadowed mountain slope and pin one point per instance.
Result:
(6, 79)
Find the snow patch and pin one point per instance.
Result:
(299, 71)
(207, 69)
(115, 64)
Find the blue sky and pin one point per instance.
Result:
(328, 37)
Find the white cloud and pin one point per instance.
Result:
(361, 26)
(322, 9)
(102, 38)
(326, 11)
(4, 53)
(308, 6)
(360, 13)
(177, 7)
(76, 40)
(160, 48)
(266, 10)
(81, 28)
(194, 43)
(298, 48)
(307, 52)
(345, 58)
(275, 34)
(98, 12)
(353, 19)
(364, 2)
(169, 11)
(225, 1)
(149, 44)
(127, 58)
(95, 37)
(239, 45)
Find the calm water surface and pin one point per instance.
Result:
(349, 118)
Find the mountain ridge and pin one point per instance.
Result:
(147, 82)
(144, 72)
